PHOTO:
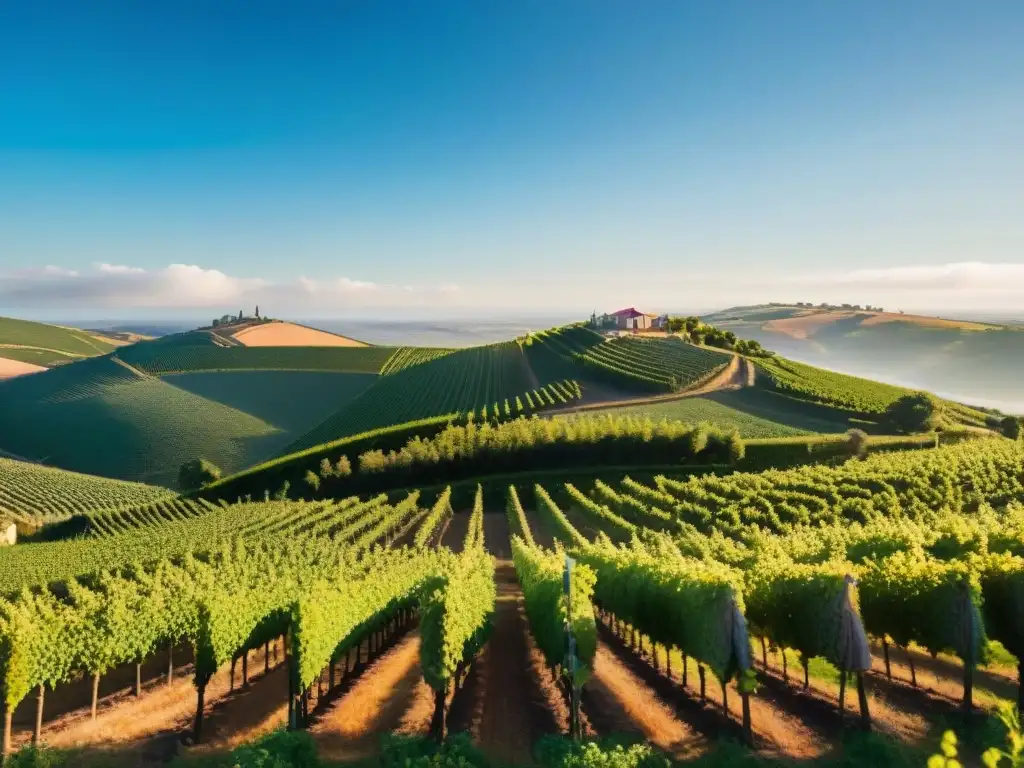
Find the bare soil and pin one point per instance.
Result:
(616, 700)
(291, 335)
(508, 700)
(11, 368)
(151, 729)
(454, 536)
(389, 696)
(736, 375)
(496, 535)
(778, 731)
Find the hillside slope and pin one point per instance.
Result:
(971, 362)
(101, 417)
(43, 345)
(35, 494)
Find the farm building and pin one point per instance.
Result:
(632, 319)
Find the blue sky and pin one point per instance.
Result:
(409, 158)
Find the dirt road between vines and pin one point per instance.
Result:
(389, 696)
(739, 373)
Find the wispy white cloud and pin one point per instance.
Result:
(963, 276)
(182, 286)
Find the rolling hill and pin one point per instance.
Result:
(978, 363)
(32, 346)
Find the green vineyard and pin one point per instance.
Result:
(34, 494)
(467, 380)
(657, 364)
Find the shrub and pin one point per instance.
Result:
(734, 444)
(194, 474)
(343, 468)
(857, 443)
(326, 470)
(919, 412)
(312, 480)
(1010, 426)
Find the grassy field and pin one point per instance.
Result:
(158, 358)
(292, 401)
(42, 344)
(43, 357)
(98, 417)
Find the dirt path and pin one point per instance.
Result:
(454, 536)
(617, 701)
(778, 731)
(737, 374)
(151, 727)
(496, 536)
(390, 696)
(508, 702)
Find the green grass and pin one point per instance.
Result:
(157, 358)
(43, 336)
(695, 410)
(43, 357)
(98, 417)
(292, 401)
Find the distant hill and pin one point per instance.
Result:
(978, 363)
(27, 346)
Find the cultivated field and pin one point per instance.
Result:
(291, 335)
(10, 368)
(734, 620)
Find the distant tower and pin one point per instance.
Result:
(257, 311)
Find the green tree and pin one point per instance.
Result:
(197, 473)
(919, 412)
(1010, 426)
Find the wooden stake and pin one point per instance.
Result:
(885, 656)
(764, 653)
(138, 679)
(807, 672)
(38, 731)
(725, 700)
(668, 661)
(785, 670)
(234, 661)
(686, 669)
(842, 696)
(748, 731)
(862, 697)
(266, 658)
(5, 750)
(700, 673)
(968, 688)
(913, 672)
(197, 730)
(245, 669)
(95, 693)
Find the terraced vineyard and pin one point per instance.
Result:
(656, 364)
(176, 358)
(406, 357)
(806, 382)
(34, 494)
(467, 380)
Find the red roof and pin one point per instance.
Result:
(630, 312)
